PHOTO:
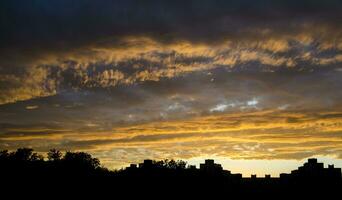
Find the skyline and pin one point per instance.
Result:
(239, 81)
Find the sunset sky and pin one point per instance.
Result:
(255, 84)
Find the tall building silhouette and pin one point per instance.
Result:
(313, 170)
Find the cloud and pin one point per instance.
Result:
(60, 47)
(31, 107)
(193, 20)
(154, 61)
(219, 108)
(243, 135)
(27, 85)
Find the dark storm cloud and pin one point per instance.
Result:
(36, 27)
(32, 22)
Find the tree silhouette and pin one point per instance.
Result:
(81, 161)
(22, 154)
(170, 164)
(4, 155)
(54, 155)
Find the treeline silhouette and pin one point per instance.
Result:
(24, 169)
(24, 162)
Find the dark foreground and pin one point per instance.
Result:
(26, 173)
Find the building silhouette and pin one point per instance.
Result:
(210, 167)
(147, 164)
(313, 170)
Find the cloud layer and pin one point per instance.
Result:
(48, 47)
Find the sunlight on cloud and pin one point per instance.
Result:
(243, 135)
(139, 59)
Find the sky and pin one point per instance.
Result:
(246, 82)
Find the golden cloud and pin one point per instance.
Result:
(267, 134)
(139, 59)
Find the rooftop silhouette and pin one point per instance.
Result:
(81, 168)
